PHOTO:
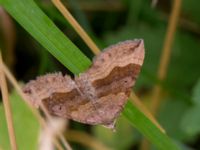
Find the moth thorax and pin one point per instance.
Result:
(86, 87)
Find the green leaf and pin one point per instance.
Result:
(29, 15)
(25, 124)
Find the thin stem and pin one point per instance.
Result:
(19, 91)
(76, 26)
(164, 62)
(34, 111)
(166, 53)
(7, 107)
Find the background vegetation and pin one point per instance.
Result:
(108, 22)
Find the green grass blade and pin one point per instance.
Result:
(145, 126)
(29, 15)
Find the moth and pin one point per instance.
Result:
(96, 96)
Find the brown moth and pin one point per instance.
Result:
(96, 96)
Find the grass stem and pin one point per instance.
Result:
(166, 53)
(7, 107)
(34, 111)
(164, 62)
(76, 26)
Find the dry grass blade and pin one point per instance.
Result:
(7, 107)
(76, 26)
(96, 51)
(166, 53)
(19, 91)
(81, 32)
(164, 61)
(34, 111)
